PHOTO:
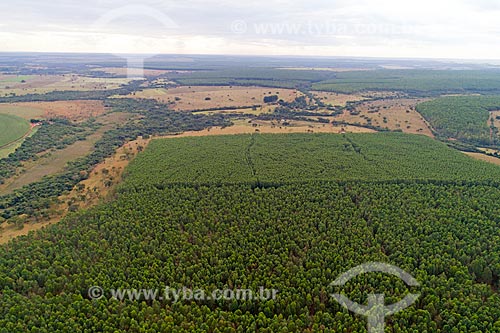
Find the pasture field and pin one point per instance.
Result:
(250, 126)
(187, 98)
(42, 84)
(253, 111)
(10, 148)
(394, 114)
(21, 110)
(72, 110)
(12, 128)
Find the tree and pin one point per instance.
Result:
(271, 99)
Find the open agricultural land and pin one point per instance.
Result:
(12, 128)
(393, 114)
(214, 97)
(227, 172)
(74, 110)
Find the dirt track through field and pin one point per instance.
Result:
(32, 126)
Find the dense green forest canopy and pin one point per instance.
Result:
(465, 118)
(266, 77)
(426, 82)
(296, 237)
(277, 158)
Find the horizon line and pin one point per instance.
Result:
(116, 55)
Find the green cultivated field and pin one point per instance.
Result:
(12, 128)
(277, 158)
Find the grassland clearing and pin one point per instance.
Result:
(72, 110)
(49, 163)
(249, 126)
(186, 98)
(254, 111)
(484, 157)
(10, 148)
(12, 128)
(394, 114)
(337, 99)
(8, 232)
(22, 110)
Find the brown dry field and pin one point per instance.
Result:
(484, 157)
(399, 113)
(8, 232)
(73, 110)
(42, 84)
(194, 98)
(261, 126)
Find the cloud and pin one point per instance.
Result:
(424, 28)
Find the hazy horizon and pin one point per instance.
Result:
(446, 30)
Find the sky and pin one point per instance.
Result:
(446, 29)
